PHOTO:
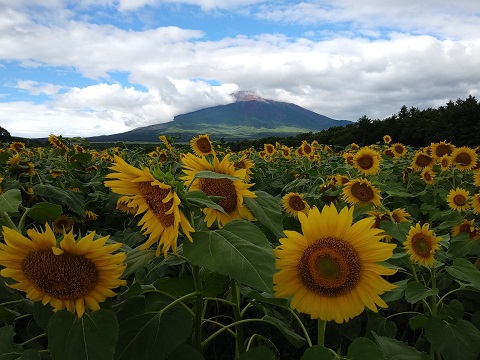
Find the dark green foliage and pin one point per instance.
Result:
(4, 135)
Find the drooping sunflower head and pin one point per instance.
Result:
(361, 192)
(306, 148)
(399, 215)
(64, 223)
(464, 158)
(466, 227)
(286, 152)
(232, 191)
(16, 146)
(158, 202)
(367, 161)
(331, 270)
(202, 145)
(398, 149)
(421, 160)
(421, 244)
(74, 275)
(441, 149)
(458, 199)
(293, 203)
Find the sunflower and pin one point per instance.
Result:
(307, 149)
(348, 156)
(123, 205)
(398, 149)
(354, 146)
(17, 146)
(466, 227)
(293, 203)
(164, 139)
(441, 149)
(232, 191)
(72, 275)
(361, 192)
(286, 152)
(367, 161)
(421, 245)
(269, 149)
(245, 163)
(387, 139)
(399, 215)
(428, 176)
(445, 162)
(421, 160)
(201, 145)
(475, 203)
(332, 270)
(341, 179)
(90, 215)
(63, 223)
(457, 199)
(464, 158)
(158, 202)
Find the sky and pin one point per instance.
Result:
(80, 68)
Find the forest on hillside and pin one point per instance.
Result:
(456, 122)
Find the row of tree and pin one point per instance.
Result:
(457, 122)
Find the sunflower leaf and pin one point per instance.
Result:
(205, 174)
(415, 292)
(10, 201)
(464, 270)
(44, 211)
(268, 211)
(239, 250)
(92, 336)
(74, 203)
(200, 199)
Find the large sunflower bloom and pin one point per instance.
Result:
(421, 160)
(293, 203)
(367, 161)
(232, 191)
(458, 199)
(464, 158)
(158, 202)
(441, 149)
(398, 149)
(331, 271)
(361, 192)
(421, 245)
(466, 227)
(201, 145)
(73, 275)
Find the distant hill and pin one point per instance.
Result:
(249, 117)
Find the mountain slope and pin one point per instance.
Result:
(250, 117)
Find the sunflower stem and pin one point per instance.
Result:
(33, 339)
(197, 340)
(239, 343)
(305, 332)
(322, 324)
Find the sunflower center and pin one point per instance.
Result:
(427, 176)
(224, 188)
(459, 199)
(467, 229)
(362, 192)
(296, 203)
(444, 163)
(330, 267)
(154, 196)
(64, 277)
(365, 162)
(269, 149)
(204, 145)
(398, 149)
(443, 149)
(423, 160)
(463, 158)
(421, 244)
(307, 149)
(240, 165)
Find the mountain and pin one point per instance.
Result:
(249, 117)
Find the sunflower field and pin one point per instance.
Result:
(193, 251)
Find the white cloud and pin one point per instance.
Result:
(36, 88)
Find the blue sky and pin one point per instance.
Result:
(93, 67)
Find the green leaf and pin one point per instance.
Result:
(44, 211)
(68, 197)
(396, 293)
(137, 259)
(258, 353)
(268, 211)
(380, 325)
(397, 230)
(415, 292)
(10, 201)
(454, 341)
(364, 349)
(394, 349)
(317, 352)
(464, 270)
(93, 336)
(185, 351)
(7, 346)
(200, 199)
(294, 339)
(30, 354)
(239, 250)
(417, 322)
(462, 245)
(147, 331)
(205, 174)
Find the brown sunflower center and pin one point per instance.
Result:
(307, 149)
(422, 245)
(154, 196)
(427, 176)
(296, 203)
(423, 160)
(444, 163)
(398, 149)
(240, 165)
(330, 267)
(467, 229)
(224, 188)
(362, 192)
(459, 199)
(463, 158)
(365, 162)
(269, 149)
(443, 149)
(204, 145)
(65, 277)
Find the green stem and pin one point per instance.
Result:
(11, 302)
(239, 343)
(33, 339)
(8, 220)
(434, 307)
(305, 332)
(218, 332)
(197, 341)
(322, 324)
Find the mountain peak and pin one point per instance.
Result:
(247, 95)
